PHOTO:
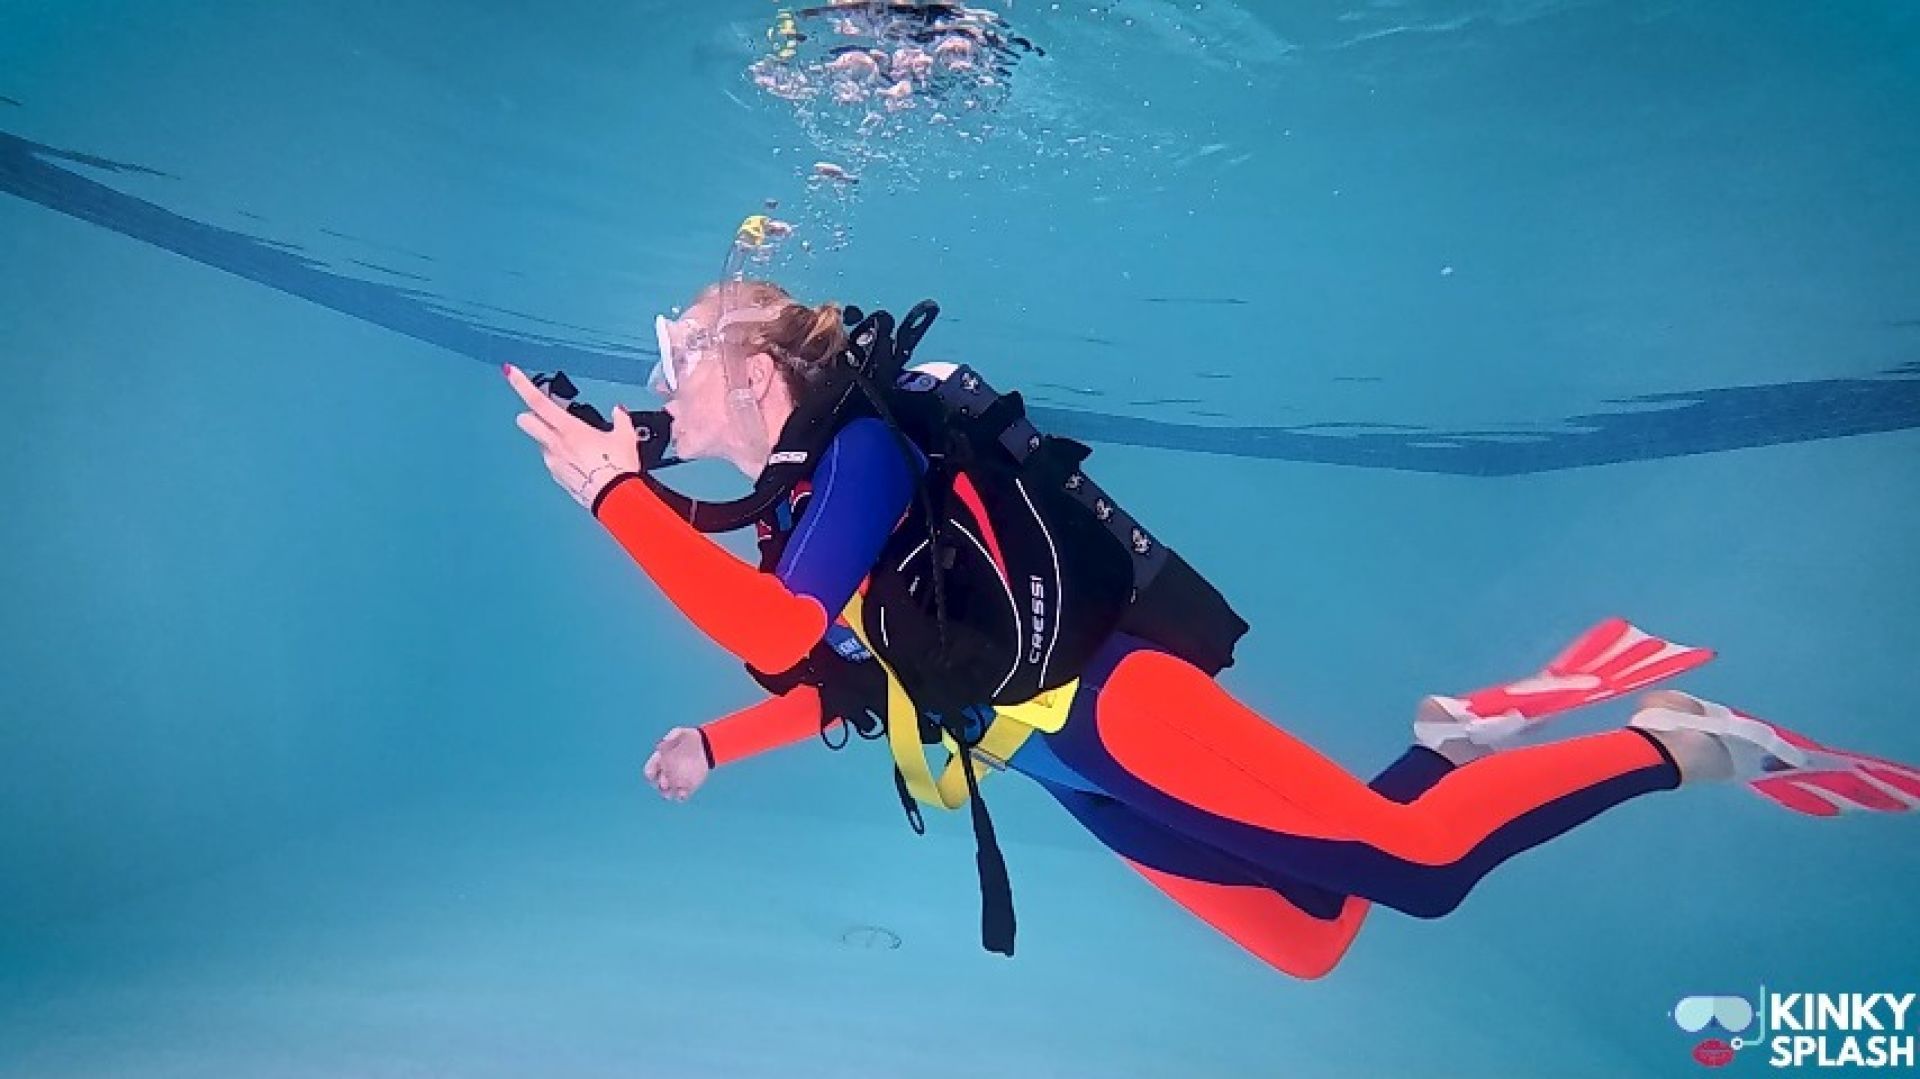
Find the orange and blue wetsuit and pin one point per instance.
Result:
(1252, 830)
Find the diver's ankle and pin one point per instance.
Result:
(1700, 756)
(1459, 751)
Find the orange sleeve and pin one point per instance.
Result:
(776, 722)
(748, 613)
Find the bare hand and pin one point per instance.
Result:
(582, 458)
(679, 764)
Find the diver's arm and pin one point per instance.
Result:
(861, 487)
(685, 757)
(775, 722)
(750, 614)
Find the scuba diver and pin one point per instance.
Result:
(937, 573)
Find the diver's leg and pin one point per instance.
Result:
(1298, 928)
(1414, 773)
(1172, 744)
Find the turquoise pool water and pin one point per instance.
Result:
(1432, 331)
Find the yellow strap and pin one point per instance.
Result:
(1046, 713)
(1012, 725)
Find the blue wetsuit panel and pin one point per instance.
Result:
(861, 487)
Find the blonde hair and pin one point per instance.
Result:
(804, 341)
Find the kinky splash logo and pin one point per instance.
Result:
(1802, 1030)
